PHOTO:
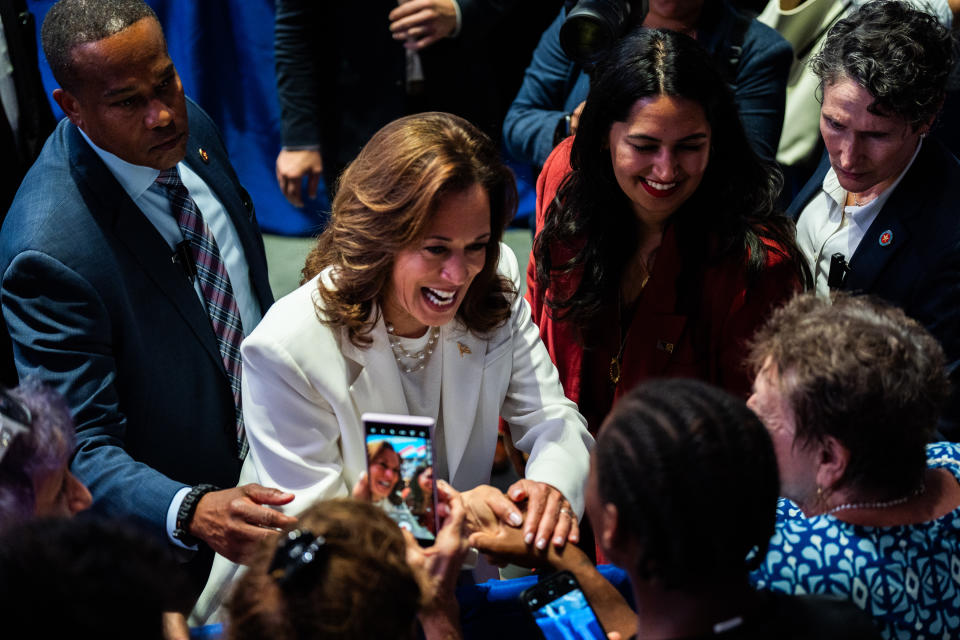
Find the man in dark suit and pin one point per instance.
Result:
(880, 215)
(131, 267)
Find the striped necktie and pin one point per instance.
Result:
(214, 285)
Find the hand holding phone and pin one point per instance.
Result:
(560, 609)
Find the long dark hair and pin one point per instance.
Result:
(732, 209)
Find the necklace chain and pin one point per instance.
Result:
(880, 504)
(616, 362)
(420, 357)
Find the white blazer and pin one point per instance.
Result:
(306, 385)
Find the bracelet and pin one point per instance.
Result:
(187, 509)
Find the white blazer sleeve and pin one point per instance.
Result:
(543, 422)
(293, 432)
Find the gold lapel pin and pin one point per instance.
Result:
(204, 156)
(463, 349)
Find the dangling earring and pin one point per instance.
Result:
(821, 499)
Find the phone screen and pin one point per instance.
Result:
(561, 610)
(400, 471)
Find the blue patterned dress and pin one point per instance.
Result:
(906, 577)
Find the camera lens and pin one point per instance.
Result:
(591, 28)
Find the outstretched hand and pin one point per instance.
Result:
(234, 521)
(437, 568)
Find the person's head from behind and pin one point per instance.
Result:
(660, 126)
(672, 457)
(883, 72)
(416, 225)
(385, 470)
(851, 392)
(117, 82)
(357, 583)
(35, 477)
(86, 578)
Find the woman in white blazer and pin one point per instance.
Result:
(409, 305)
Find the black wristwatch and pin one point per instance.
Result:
(185, 514)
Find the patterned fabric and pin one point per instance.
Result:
(906, 577)
(214, 285)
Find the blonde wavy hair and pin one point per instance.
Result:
(385, 200)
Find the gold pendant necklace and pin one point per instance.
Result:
(617, 361)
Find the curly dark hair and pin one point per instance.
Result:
(861, 371)
(71, 23)
(901, 55)
(386, 198)
(675, 456)
(732, 209)
(360, 586)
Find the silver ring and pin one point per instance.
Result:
(568, 512)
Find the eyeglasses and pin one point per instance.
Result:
(300, 549)
(15, 418)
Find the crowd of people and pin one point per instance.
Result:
(748, 409)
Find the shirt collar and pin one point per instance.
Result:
(134, 178)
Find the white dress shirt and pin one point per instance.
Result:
(827, 226)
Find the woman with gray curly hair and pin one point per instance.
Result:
(850, 393)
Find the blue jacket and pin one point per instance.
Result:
(554, 85)
(97, 310)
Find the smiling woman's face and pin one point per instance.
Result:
(431, 277)
(659, 155)
(384, 473)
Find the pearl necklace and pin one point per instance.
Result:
(419, 357)
(883, 504)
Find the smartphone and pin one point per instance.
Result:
(400, 465)
(560, 609)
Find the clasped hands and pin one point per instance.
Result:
(519, 526)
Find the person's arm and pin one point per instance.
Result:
(437, 569)
(297, 58)
(544, 424)
(550, 83)
(293, 433)
(63, 336)
(761, 91)
(504, 544)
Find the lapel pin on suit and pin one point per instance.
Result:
(464, 349)
(204, 156)
(886, 238)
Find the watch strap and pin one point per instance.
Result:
(186, 512)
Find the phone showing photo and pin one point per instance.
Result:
(400, 466)
(560, 609)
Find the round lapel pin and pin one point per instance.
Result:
(886, 238)
(204, 156)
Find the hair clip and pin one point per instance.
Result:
(300, 549)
